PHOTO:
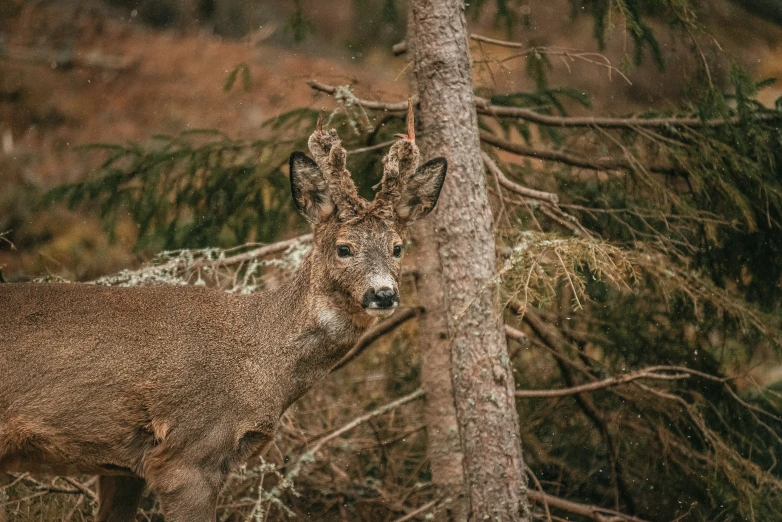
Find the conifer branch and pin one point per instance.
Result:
(485, 107)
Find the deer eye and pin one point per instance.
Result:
(344, 251)
(397, 250)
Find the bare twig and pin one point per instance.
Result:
(596, 513)
(367, 104)
(364, 418)
(82, 488)
(375, 332)
(646, 373)
(565, 158)
(567, 55)
(419, 511)
(266, 250)
(540, 490)
(552, 338)
(515, 187)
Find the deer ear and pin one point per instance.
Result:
(309, 189)
(421, 191)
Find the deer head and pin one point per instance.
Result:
(357, 245)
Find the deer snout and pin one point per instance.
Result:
(383, 298)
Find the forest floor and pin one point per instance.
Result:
(77, 73)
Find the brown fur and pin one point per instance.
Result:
(175, 386)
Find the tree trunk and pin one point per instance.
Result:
(494, 472)
(442, 430)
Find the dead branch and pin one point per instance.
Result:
(515, 187)
(540, 490)
(567, 54)
(565, 158)
(184, 263)
(484, 107)
(364, 418)
(367, 104)
(646, 373)
(596, 513)
(266, 250)
(83, 489)
(375, 332)
(584, 401)
(418, 511)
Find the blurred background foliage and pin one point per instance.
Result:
(668, 258)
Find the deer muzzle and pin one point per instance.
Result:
(380, 301)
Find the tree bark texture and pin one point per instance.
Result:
(442, 430)
(494, 472)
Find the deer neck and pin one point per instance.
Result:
(315, 328)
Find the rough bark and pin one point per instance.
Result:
(443, 447)
(494, 472)
(443, 444)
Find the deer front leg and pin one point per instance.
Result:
(187, 494)
(118, 498)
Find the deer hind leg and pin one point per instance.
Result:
(118, 498)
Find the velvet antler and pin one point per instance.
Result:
(398, 167)
(327, 151)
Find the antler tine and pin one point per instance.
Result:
(328, 152)
(399, 164)
(410, 136)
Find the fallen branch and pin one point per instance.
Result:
(646, 373)
(515, 187)
(375, 332)
(596, 513)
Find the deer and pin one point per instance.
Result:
(172, 387)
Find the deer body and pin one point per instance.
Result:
(176, 386)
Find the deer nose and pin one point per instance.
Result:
(384, 297)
